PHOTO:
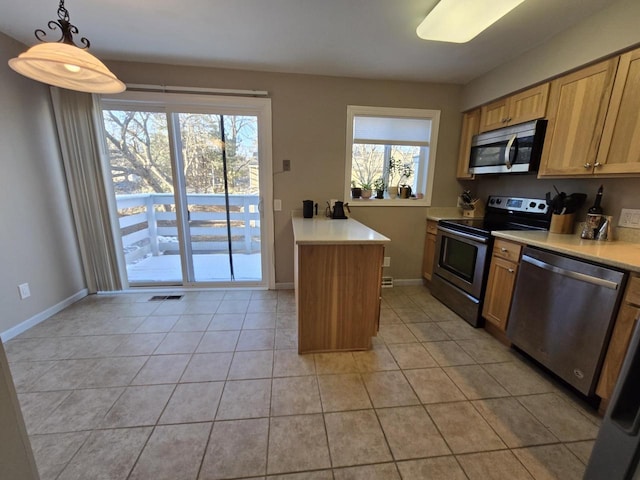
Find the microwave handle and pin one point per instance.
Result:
(507, 151)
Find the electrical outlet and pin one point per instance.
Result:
(24, 290)
(277, 205)
(629, 217)
(286, 165)
(386, 262)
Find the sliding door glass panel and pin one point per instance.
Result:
(141, 173)
(222, 195)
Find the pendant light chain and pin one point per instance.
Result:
(68, 30)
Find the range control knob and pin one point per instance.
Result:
(492, 201)
(499, 201)
(532, 205)
(541, 206)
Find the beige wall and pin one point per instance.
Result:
(37, 242)
(612, 29)
(309, 128)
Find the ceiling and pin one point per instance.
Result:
(354, 38)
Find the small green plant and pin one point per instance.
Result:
(379, 184)
(365, 186)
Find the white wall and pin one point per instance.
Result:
(37, 237)
(612, 29)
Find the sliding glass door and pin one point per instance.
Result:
(188, 182)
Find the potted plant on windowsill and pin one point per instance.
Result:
(379, 187)
(366, 190)
(356, 192)
(406, 172)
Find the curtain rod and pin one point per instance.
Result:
(211, 91)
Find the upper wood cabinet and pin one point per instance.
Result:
(528, 105)
(577, 109)
(470, 127)
(619, 151)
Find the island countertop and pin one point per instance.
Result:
(322, 230)
(625, 255)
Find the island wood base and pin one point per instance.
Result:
(338, 291)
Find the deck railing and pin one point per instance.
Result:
(148, 224)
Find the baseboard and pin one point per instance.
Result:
(285, 286)
(42, 316)
(405, 282)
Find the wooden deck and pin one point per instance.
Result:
(208, 268)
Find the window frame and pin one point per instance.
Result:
(426, 174)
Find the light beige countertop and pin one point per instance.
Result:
(443, 213)
(625, 255)
(323, 230)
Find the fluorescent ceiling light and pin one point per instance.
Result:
(63, 63)
(459, 21)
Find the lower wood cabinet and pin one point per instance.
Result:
(428, 259)
(338, 289)
(628, 316)
(501, 283)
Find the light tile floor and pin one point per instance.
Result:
(211, 387)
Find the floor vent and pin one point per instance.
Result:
(387, 282)
(157, 298)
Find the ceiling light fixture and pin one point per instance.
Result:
(63, 64)
(459, 21)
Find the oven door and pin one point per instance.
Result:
(461, 259)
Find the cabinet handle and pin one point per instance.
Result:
(597, 164)
(587, 165)
(502, 249)
(510, 270)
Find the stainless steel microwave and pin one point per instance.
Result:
(515, 149)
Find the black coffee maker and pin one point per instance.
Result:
(308, 207)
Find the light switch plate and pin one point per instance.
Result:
(630, 218)
(277, 205)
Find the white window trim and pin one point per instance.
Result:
(434, 115)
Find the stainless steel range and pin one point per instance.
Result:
(463, 251)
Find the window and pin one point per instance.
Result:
(391, 146)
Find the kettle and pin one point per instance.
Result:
(338, 210)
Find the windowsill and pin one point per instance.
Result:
(388, 202)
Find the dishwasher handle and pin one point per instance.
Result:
(583, 277)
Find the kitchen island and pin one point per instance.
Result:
(338, 277)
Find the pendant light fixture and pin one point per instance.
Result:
(459, 21)
(63, 64)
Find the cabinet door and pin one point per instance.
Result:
(429, 250)
(619, 151)
(577, 108)
(528, 105)
(493, 115)
(500, 286)
(620, 337)
(470, 127)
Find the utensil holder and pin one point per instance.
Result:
(562, 223)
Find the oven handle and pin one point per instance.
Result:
(468, 236)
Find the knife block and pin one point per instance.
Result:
(562, 223)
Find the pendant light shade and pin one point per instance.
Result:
(63, 64)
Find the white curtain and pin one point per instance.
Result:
(78, 119)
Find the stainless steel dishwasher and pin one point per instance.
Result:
(562, 314)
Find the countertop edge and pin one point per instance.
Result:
(606, 253)
(363, 235)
